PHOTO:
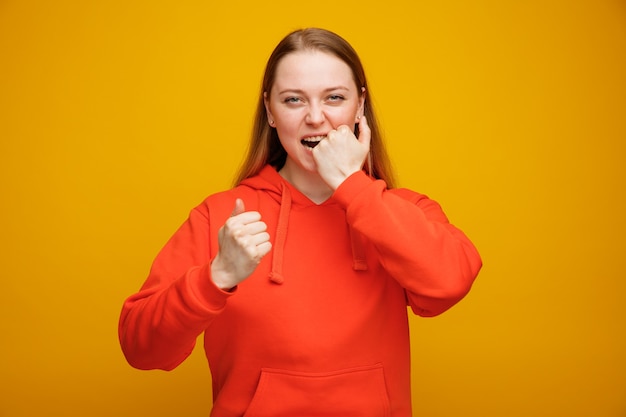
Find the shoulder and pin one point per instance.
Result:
(409, 195)
(429, 207)
(221, 204)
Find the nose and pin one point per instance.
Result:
(315, 114)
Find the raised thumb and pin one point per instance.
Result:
(239, 207)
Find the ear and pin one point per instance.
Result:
(361, 108)
(270, 117)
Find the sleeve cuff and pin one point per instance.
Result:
(354, 185)
(207, 293)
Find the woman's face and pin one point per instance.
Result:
(313, 92)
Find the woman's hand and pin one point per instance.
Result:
(341, 154)
(243, 242)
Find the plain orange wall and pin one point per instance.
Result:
(117, 117)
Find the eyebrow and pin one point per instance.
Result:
(326, 90)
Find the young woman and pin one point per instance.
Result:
(300, 275)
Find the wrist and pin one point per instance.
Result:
(350, 189)
(220, 277)
(338, 179)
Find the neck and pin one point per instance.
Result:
(308, 183)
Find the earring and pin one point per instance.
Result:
(272, 123)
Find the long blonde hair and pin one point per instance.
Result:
(265, 147)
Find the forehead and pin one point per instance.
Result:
(311, 69)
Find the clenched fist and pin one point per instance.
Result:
(342, 154)
(243, 242)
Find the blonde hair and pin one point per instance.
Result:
(265, 147)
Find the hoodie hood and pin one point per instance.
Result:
(270, 182)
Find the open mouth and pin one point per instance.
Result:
(312, 142)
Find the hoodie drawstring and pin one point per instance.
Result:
(358, 251)
(276, 274)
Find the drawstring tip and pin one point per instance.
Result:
(359, 265)
(276, 278)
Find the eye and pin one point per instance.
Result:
(336, 98)
(292, 100)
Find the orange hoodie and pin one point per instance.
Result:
(321, 327)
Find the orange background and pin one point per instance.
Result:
(117, 117)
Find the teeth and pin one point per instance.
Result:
(314, 139)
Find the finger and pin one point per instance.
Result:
(256, 247)
(259, 239)
(255, 227)
(264, 248)
(239, 207)
(344, 130)
(239, 222)
(365, 133)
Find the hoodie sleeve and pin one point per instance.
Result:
(433, 260)
(159, 325)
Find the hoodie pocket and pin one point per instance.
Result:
(355, 392)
